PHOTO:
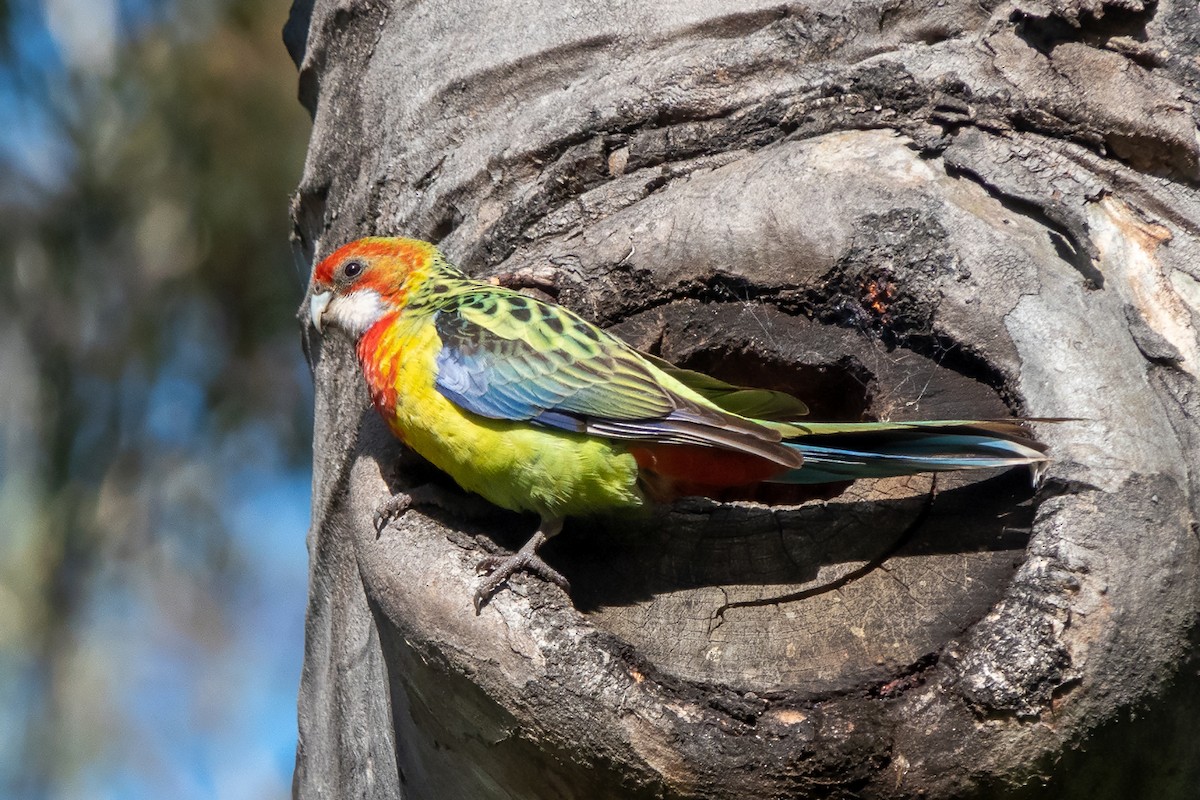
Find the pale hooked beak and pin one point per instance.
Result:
(317, 304)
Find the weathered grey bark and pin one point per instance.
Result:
(904, 209)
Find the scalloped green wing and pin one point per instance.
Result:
(508, 356)
(745, 401)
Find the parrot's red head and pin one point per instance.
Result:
(362, 281)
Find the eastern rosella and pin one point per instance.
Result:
(536, 409)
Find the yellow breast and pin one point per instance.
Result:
(513, 464)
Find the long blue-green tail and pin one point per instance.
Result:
(842, 451)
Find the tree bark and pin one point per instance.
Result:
(895, 210)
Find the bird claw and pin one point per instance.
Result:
(543, 279)
(500, 568)
(426, 494)
(390, 510)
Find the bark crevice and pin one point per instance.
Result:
(896, 213)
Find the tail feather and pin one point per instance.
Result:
(836, 452)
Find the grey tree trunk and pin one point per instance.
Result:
(897, 210)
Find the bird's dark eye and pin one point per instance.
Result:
(352, 269)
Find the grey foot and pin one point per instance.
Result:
(390, 510)
(427, 494)
(500, 568)
(542, 278)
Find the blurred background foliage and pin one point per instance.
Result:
(155, 409)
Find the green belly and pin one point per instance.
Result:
(525, 468)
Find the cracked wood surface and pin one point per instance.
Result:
(896, 210)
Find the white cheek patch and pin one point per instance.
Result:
(357, 311)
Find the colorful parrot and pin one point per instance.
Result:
(536, 409)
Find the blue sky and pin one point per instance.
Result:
(187, 650)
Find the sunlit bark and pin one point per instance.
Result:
(892, 210)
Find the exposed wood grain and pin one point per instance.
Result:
(895, 210)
